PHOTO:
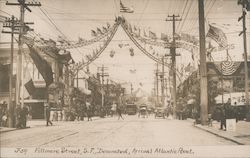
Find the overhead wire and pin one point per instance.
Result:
(183, 11)
(139, 20)
(185, 18)
(6, 12)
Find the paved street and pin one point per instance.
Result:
(110, 132)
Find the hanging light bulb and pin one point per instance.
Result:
(131, 52)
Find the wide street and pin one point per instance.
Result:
(110, 132)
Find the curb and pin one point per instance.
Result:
(8, 130)
(14, 129)
(214, 133)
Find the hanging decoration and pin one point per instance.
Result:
(105, 35)
(112, 53)
(125, 27)
(131, 50)
(98, 35)
(227, 67)
(132, 71)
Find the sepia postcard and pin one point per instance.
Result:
(124, 78)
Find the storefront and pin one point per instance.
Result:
(36, 108)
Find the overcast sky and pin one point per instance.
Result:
(76, 18)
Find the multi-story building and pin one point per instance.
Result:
(34, 89)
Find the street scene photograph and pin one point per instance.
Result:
(124, 78)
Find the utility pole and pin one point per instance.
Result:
(102, 74)
(77, 77)
(131, 88)
(173, 18)
(245, 7)
(23, 6)
(157, 84)
(162, 84)
(203, 66)
(12, 24)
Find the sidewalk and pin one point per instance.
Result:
(40, 123)
(241, 136)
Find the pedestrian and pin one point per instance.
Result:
(119, 112)
(89, 111)
(23, 116)
(18, 116)
(47, 112)
(113, 109)
(222, 118)
(4, 119)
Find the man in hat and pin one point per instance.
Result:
(47, 113)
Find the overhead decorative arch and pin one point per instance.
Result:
(107, 35)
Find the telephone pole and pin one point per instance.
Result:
(157, 83)
(245, 7)
(12, 24)
(101, 72)
(162, 83)
(203, 66)
(173, 18)
(23, 6)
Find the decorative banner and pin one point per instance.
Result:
(227, 67)
(105, 34)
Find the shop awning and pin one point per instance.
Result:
(35, 101)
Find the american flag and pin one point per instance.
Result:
(124, 9)
(217, 35)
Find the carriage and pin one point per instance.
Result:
(143, 112)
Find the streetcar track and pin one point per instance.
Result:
(62, 137)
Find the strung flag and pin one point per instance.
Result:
(124, 9)
(80, 40)
(164, 37)
(60, 39)
(135, 29)
(152, 35)
(99, 31)
(108, 25)
(104, 29)
(145, 34)
(93, 33)
(217, 35)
